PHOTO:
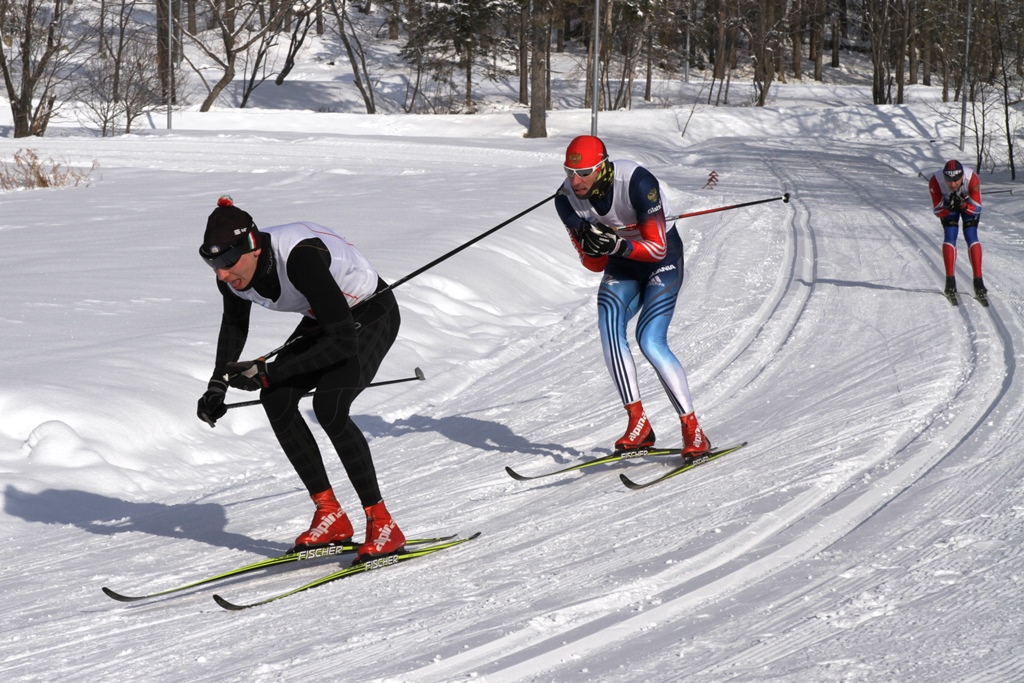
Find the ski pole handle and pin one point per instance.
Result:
(419, 376)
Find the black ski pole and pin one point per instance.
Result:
(419, 376)
(465, 245)
(433, 263)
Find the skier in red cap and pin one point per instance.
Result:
(956, 195)
(615, 213)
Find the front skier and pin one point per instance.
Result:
(337, 347)
(615, 215)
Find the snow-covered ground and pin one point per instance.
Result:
(871, 531)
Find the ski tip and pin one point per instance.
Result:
(228, 605)
(515, 475)
(629, 482)
(117, 596)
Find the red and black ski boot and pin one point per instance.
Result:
(695, 444)
(383, 537)
(639, 434)
(330, 524)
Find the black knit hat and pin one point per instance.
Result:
(230, 232)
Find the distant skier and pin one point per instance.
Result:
(336, 348)
(956, 195)
(615, 213)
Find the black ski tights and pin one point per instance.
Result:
(336, 388)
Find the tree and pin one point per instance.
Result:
(238, 25)
(123, 81)
(763, 24)
(356, 54)
(540, 38)
(458, 36)
(879, 21)
(38, 56)
(301, 16)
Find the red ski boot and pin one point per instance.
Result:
(639, 434)
(330, 524)
(383, 537)
(695, 443)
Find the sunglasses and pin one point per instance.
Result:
(582, 172)
(226, 258)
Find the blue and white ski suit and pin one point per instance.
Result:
(645, 279)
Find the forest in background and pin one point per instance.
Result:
(116, 60)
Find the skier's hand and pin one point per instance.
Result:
(211, 406)
(954, 202)
(600, 240)
(250, 375)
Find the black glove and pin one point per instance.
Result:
(211, 406)
(600, 240)
(250, 375)
(954, 202)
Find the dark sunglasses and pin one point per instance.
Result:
(582, 172)
(225, 258)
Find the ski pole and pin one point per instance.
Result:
(465, 245)
(419, 376)
(784, 198)
(433, 263)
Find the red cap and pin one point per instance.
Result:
(585, 151)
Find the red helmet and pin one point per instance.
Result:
(586, 151)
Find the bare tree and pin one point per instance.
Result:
(540, 36)
(38, 55)
(301, 18)
(168, 49)
(237, 27)
(355, 52)
(122, 82)
(257, 65)
(764, 24)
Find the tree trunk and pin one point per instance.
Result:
(797, 38)
(540, 38)
(524, 54)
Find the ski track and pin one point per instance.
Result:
(730, 567)
(882, 505)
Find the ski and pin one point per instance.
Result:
(287, 558)
(952, 297)
(685, 467)
(982, 298)
(614, 456)
(375, 563)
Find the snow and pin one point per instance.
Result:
(872, 530)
